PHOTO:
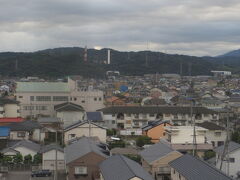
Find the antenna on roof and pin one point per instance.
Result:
(194, 150)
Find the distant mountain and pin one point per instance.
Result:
(235, 53)
(60, 62)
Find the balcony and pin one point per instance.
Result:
(164, 170)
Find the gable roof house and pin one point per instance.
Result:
(188, 167)
(24, 147)
(69, 113)
(28, 130)
(119, 167)
(233, 163)
(85, 128)
(155, 159)
(82, 158)
(155, 130)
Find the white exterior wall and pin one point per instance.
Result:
(212, 137)
(14, 136)
(48, 160)
(38, 135)
(185, 135)
(70, 117)
(83, 130)
(25, 151)
(12, 110)
(234, 167)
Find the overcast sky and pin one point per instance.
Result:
(192, 27)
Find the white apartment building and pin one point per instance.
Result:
(127, 117)
(39, 98)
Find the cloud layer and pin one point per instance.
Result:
(193, 27)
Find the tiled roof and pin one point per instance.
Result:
(11, 120)
(68, 106)
(192, 168)
(232, 146)
(119, 167)
(210, 126)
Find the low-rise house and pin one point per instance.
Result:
(215, 134)
(155, 130)
(82, 158)
(181, 138)
(231, 162)
(69, 113)
(28, 130)
(155, 160)
(24, 147)
(50, 122)
(49, 157)
(119, 167)
(188, 167)
(85, 128)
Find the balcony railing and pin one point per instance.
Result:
(164, 170)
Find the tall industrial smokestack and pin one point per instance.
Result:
(109, 56)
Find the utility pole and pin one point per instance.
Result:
(225, 153)
(56, 168)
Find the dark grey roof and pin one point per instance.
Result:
(8, 101)
(232, 146)
(80, 148)
(28, 144)
(50, 147)
(48, 120)
(210, 126)
(24, 126)
(119, 167)
(79, 123)
(153, 124)
(155, 110)
(155, 152)
(94, 116)
(192, 168)
(68, 106)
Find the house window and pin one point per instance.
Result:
(31, 98)
(151, 115)
(41, 108)
(20, 134)
(167, 115)
(28, 107)
(231, 160)
(95, 99)
(81, 170)
(128, 115)
(113, 122)
(83, 101)
(100, 99)
(20, 97)
(43, 98)
(75, 99)
(72, 135)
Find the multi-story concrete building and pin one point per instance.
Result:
(128, 117)
(39, 98)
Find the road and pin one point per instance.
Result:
(23, 175)
(26, 175)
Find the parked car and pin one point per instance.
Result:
(41, 173)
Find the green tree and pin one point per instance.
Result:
(37, 159)
(236, 136)
(142, 140)
(28, 159)
(209, 154)
(7, 159)
(18, 158)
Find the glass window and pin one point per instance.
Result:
(21, 134)
(232, 160)
(43, 98)
(217, 133)
(31, 98)
(95, 99)
(100, 99)
(41, 107)
(60, 98)
(83, 101)
(20, 97)
(81, 170)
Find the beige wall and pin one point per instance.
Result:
(176, 176)
(70, 117)
(83, 130)
(12, 110)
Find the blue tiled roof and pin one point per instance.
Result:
(4, 131)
